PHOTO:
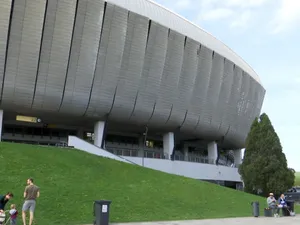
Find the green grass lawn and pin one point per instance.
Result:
(70, 180)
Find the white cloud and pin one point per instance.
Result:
(236, 13)
(245, 4)
(277, 16)
(297, 80)
(177, 5)
(216, 14)
(287, 17)
(183, 4)
(243, 20)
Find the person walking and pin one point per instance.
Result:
(30, 194)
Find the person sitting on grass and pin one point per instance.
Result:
(272, 204)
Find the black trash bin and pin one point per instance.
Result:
(101, 212)
(255, 209)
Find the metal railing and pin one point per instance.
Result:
(135, 153)
(123, 151)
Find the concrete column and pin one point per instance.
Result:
(212, 149)
(98, 133)
(80, 133)
(237, 157)
(1, 123)
(186, 153)
(168, 143)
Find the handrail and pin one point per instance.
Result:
(103, 150)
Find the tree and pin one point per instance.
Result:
(264, 168)
(291, 169)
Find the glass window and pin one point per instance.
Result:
(18, 130)
(73, 132)
(37, 131)
(54, 133)
(8, 129)
(46, 132)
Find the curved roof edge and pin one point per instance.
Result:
(158, 13)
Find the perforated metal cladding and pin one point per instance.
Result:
(201, 90)
(214, 88)
(131, 68)
(259, 98)
(92, 59)
(186, 82)
(23, 52)
(109, 61)
(173, 21)
(224, 97)
(232, 132)
(54, 56)
(154, 62)
(83, 57)
(250, 107)
(242, 104)
(169, 81)
(5, 9)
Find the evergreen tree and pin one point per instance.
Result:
(264, 168)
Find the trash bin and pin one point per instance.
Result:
(268, 212)
(101, 212)
(291, 205)
(255, 209)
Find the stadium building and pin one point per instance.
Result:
(131, 77)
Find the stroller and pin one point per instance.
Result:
(291, 212)
(3, 220)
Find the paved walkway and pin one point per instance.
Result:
(232, 221)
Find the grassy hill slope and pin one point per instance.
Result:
(70, 180)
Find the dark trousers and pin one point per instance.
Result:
(275, 209)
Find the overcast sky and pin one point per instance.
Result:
(266, 34)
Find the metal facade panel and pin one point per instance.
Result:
(154, 62)
(177, 23)
(23, 52)
(213, 91)
(131, 68)
(233, 102)
(109, 61)
(258, 99)
(241, 106)
(250, 107)
(168, 92)
(5, 9)
(83, 57)
(224, 97)
(186, 83)
(54, 55)
(200, 90)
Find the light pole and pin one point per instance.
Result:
(144, 144)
